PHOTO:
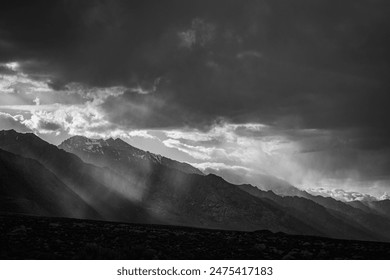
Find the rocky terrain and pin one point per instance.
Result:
(117, 153)
(111, 180)
(29, 237)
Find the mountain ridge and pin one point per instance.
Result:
(80, 144)
(166, 195)
(295, 201)
(124, 187)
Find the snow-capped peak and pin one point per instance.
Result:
(119, 150)
(86, 144)
(385, 196)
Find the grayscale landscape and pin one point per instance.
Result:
(215, 129)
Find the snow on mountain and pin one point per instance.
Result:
(98, 151)
(385, 196)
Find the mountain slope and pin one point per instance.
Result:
(28, 187)
(128, 188)
(371, 221)
(107, 152)
(161, 195)
(324, 220)
(380, 207)
(107, 192)
(317, 215)
(168, 192)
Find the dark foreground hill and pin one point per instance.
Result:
(28, 237)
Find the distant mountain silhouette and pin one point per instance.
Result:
(380, 207)
(264, 182)
(369, 220)
(122, 183)
(325, 215)
(333, 221)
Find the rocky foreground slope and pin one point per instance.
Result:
(28, 237)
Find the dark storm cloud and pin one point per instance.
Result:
(292, 64)
(49, 126)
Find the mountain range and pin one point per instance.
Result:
(111, 180)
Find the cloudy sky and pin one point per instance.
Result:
(294, 89)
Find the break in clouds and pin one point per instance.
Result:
(237, 88)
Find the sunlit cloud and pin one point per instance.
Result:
(22, 83)
(342, 195)
(197, 152)
(218, 166)
(8, 121)
(85, 117)
(97, 95)
(30, 108)
(248, 146)
(37, 101)
(141, 90)
(139, 133)
(12, 65)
